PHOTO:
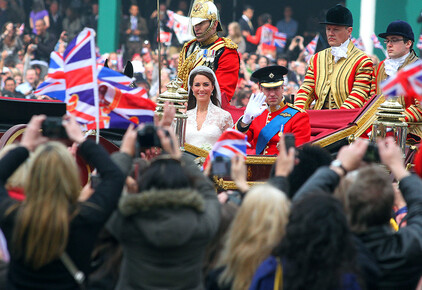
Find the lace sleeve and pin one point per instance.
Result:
(227, 121)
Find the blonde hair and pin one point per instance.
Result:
(237, 37)
(257, 229)
(42, 224)
(18, 178)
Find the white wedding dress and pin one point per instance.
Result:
(216, 122)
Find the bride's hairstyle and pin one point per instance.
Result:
(205, 71)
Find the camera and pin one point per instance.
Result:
(147, 137)
(52, 128)
(289, 141)
(372, 154)
(221, 166)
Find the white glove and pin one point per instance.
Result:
(254, 108)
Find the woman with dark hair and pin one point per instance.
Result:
(165, 228)
(206, 120)
(11, 42)
(50, 227)
(317, 250)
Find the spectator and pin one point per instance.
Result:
(288, 25)
(9, 89)
(11, 42)
(30, 84)
(317, 231)
(7, 14)
(72, 23)
(38, 12)
(165, 228)
(236, 35)
(44, 42)
(91, 20)
(263, 61)
(55, 18)
(264, 49)
(51, 223)
(257, 228)
(368, 202)
(136, 31)
(246, 25)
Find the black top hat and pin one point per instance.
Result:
(339, 15)
(399, 27)
(270, 76)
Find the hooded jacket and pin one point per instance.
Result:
(164, 233)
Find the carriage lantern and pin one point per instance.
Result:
(178, 97)
(390, 119)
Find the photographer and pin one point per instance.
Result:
(368, 197)
(165, 228)
(51, 229)
(43, 42)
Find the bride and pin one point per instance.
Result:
(206, 120)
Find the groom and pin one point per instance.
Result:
(264, 124)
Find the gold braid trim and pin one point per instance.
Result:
(229, 43)
(186, 65)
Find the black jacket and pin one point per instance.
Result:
(84, 227)
(398, 254)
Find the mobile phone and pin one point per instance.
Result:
(221, 166)
(147, 137)
(289, 141)
(52, 128)
(95, 181)
(372, 154)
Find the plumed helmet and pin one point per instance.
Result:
(203, 10)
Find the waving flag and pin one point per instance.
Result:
(54, 85)
(266, 36)
(407, 82)
(311, 48)
(279, 39)
(419, 45)
(376, 42)
(358, 43)
(77, 76)
(230, 143)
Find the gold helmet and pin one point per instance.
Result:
(203, 10)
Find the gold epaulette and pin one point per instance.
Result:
(296, 108)
(229, 43)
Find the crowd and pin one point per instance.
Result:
(28, 38)
(154, 221)
(149, 218)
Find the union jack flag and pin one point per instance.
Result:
(419, 45)
(230, 143)
(407, 82)
(376, 42)
(311, 48)
(358, 43)
(54, 85)
(266, 36)
(75, 78)
(279, 39)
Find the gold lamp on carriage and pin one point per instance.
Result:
(178, 97)
(390, 119)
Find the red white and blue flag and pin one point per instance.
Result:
(75, 78)
(376, 42)
(358, 43)
(273, 38)
(230, 143)
(407, 82)
(54, 85)
(311, 48)
(279, 39)
(419, 45)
